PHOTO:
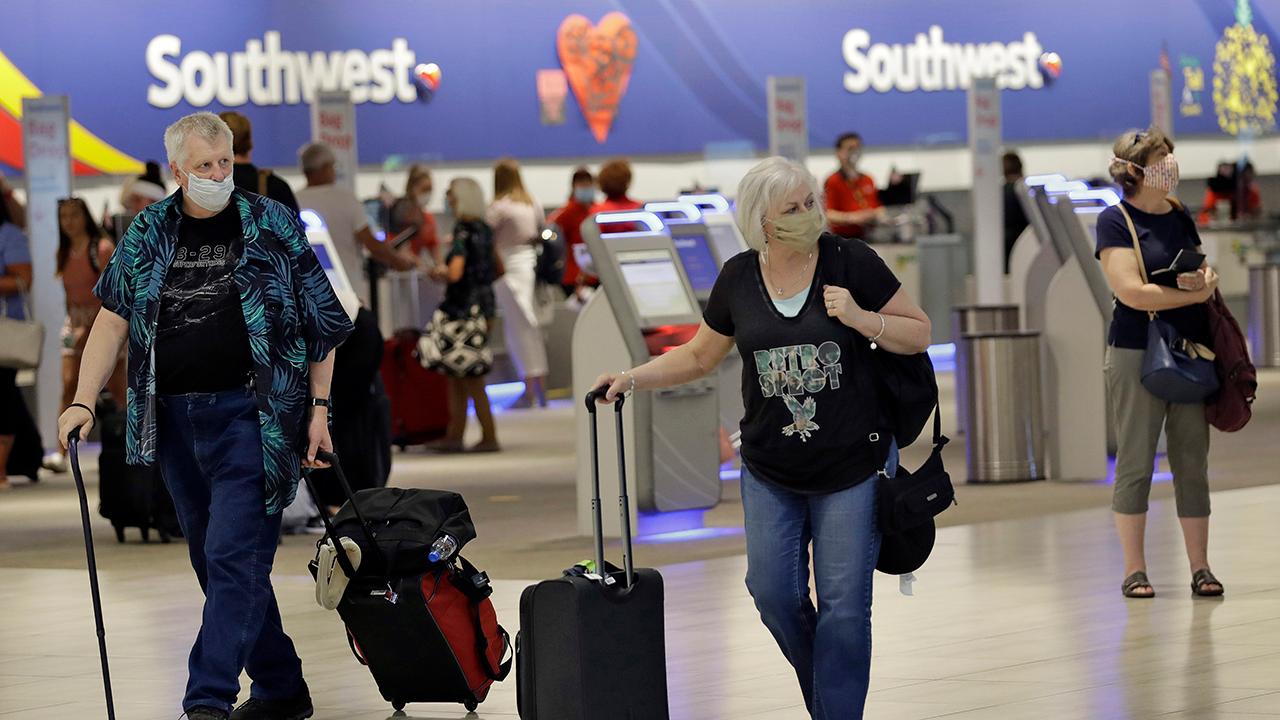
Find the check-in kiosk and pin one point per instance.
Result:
(722, 229)
(326, 254)
(693, 244)
(1033, 259)
(706, 236)
(1075, 312)
(647, 308)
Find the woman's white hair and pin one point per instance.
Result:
(763, 187)
(204, 125)
(468, 198)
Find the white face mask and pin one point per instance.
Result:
(423, 199)
(211, 195)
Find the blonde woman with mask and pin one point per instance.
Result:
(810, 457)
(1143, 165)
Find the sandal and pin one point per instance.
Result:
(1200, 579)
(1134, 582)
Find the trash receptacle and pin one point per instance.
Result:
(1005, 442)
(966, 319)
(1264, 314)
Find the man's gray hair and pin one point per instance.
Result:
(468, 198)
(204, 125)
(315, 156)
(764, 186)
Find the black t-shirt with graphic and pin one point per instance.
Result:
(807, 383)
(1161, 237)
(202, 344)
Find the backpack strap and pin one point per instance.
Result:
(263, 176)
(474, 584)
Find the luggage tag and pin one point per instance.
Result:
(905, 582)
(587, 569)
(389, 594)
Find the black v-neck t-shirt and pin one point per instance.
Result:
(807, 382)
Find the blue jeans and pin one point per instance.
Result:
(210, 454)
(830, 649)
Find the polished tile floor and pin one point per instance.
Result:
(1010, 619)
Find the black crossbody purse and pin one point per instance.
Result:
(910, 499)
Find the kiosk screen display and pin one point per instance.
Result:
(326, 262)
(699, 264)
(654, 284)
(726, 241)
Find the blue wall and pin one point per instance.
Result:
(698, 79)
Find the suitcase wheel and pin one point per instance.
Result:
(470, 705)
(399, 706)
(119, 533)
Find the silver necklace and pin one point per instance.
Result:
(779, 288)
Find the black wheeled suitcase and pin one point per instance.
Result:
(130, 495)
(591, 647)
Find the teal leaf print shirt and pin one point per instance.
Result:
(290, 311)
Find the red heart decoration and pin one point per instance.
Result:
(597, 60)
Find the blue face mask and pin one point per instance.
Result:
(584, 195)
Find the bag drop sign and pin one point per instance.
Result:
(931, 64)
(263, 74)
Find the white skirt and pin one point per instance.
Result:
(514, 292)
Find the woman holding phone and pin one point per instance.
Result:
(1144, 166)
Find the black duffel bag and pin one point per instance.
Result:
(402, 523)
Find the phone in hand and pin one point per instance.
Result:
(1185, 262)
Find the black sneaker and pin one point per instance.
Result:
(206, 713)
(295, 708)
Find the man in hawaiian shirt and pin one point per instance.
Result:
(231, 324)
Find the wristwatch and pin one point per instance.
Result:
(319, 402)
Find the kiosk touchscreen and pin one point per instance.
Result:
(647, 308)
(723, 235)
(654, 285)
(689, 235)
(326, 253)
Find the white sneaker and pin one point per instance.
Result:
(54, 462)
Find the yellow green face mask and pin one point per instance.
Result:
(799, 231)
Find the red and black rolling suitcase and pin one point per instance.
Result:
(419, 397)
(592, 647)
(426, 631)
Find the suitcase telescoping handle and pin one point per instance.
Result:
(624, 502)
(343, 561)
(73, 449)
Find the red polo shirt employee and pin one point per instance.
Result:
(851, 198)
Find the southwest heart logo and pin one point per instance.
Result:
(597, 60)
(426, 77)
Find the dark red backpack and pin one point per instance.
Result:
(1232, 406)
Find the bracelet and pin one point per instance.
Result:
(632, 390)
(879, 335)
(92, 416)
